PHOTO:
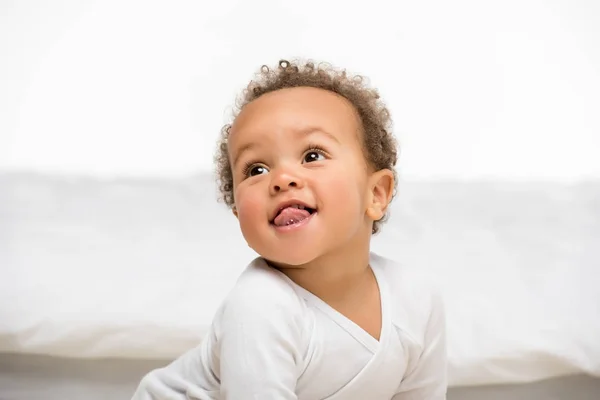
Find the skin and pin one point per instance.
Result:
(305, 144)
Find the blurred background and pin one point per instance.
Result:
(112, 243)
(505, 89)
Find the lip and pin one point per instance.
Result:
(289, 203)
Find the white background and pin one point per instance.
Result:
(478, 89)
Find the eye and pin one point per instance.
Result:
(313, 155)
(254, 170)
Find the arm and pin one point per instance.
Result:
(252, 352)
(186, 378)
(259, 348)
(428, 377)
(257, 354)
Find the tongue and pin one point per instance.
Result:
(290, 215)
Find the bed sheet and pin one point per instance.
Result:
(136, 269)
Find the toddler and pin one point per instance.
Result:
(307, 167)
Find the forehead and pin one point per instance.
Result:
(287, 111)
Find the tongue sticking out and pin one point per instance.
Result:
(290, 215)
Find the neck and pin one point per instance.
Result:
(335, 274)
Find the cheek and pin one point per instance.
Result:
(249, 205)
(343, 192)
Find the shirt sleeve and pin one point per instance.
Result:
(260, 347)
(184, 379)
(251, 352)
(428, 378)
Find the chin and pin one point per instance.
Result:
(291, 258)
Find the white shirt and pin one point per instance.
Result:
(272, 339)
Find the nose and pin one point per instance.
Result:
(285, 180)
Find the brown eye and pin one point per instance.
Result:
(257, 170)
(313, 156)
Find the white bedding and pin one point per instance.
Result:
(136, 269)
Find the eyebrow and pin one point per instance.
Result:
(241, 151)
(300, 132)
(315, 129)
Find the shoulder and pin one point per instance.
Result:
(262, 293)
(415, 297)
(264, 286)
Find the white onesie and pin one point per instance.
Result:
(272, 339)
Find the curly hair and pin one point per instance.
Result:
(380, 147)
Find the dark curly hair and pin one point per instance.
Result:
(380, 147)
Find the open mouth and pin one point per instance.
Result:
(292, 214)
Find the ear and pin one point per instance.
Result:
(381, 190)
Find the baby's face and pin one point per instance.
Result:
(300, 175)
